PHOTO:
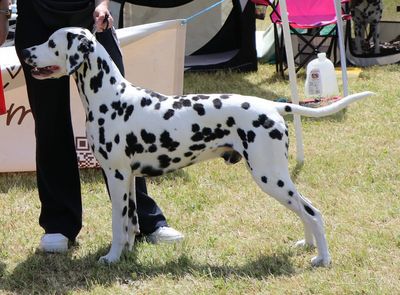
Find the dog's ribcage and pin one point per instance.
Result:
(157, 134)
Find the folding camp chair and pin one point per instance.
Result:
(314, 24)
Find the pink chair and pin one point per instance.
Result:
(313, 22)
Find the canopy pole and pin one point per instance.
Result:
(292, 80)
(339, 20)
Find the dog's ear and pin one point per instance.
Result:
(79, 48)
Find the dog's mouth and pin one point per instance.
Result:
(44, 72)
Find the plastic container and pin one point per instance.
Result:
(321, 78)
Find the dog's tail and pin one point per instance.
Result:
(289, 108)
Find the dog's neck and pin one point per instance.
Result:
(97, 78)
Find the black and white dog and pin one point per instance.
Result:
(137, 132)
(366, 12)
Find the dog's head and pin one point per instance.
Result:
(61, 55)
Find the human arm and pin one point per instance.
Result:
(3, 21)
(99, 15)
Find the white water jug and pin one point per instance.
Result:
(321, 78)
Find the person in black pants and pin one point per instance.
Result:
(56, 160)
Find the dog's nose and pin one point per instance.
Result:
(26, 53)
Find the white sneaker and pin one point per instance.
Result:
(165, 234)
(54, 243)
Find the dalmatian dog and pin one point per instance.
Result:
(138, 132)
(366, 12)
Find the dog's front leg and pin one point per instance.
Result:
(118, 183)
(133, 220)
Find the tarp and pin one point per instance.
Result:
(153, 58)
(221, 38)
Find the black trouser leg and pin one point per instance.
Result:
(56, 161)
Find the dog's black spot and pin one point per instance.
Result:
(164, 161)
(100, 121)
(199, 108)
(109, 146)
(198, 136)
(51, 43)
(159, 96)
(309, 210)
(177, 105)
(96, 82)
(167, 142)
(288, 109)
(217, 103)
(245, 105)
(118, 175)
(103, 153)
(197, 147)
(103, 109)
(276, 134)
(147, 136)
(113, 80)
(188, 154)
(176, 160)
(280, 183)
(225, 96)
(123, 87)
(124, 211)
(125, 197)
(152, 148)
(132, 145)
(290, 193)
(195, 127)
(246, 156)
(128, 112)
(264, 121)
(231, 157)
(116, 139)
(73, 60)
(157, 106)
(145, 102)
(230, 122)
(168, 114)
(150, 171)
(70, 39)
(102, 138)
(186, 102)
(251, 136)
(90, 116)
(135, 166)
(264, 179)
(242, 134)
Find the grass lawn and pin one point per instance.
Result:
(238, 240)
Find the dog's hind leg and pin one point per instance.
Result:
(280, 187)
(118, 183)
(374, 28)
(133, 220)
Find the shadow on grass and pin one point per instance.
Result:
(61, 273)
(25, 180)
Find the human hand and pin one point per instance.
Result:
(102, 16)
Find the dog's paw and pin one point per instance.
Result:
(318, 261)
(109, 258)
(304, 244)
